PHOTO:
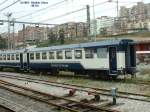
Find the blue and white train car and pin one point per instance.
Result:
(110, 58)
(11, 59)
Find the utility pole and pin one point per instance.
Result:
(117, 2)
(88, 21)
(24, 36)
(117, 18)
(46, 33)
(94, 22)
(76, 29)
(8, 39)
(117, 9)
(14, 42)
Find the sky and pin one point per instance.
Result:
(19, 10)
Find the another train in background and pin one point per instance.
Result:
(143, 52)
(143, 57)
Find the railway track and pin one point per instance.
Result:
(142, 82)
(5, 109)
(57, 101)
(137, 81)
(93, 90)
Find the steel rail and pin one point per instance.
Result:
(58, 97)
(11, 110)
(81, 86)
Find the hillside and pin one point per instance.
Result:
(135, 36)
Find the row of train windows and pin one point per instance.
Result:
(9, 57)
(89, 53)
(59, 55)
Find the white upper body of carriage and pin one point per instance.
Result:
(10, 56)
(84, 54)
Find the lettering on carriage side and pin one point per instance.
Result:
(60, 65)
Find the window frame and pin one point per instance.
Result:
(32, 57)
(91, 55)
(75, 55)
(17, 56)
(101, 54)
(36, 55)
(1, 57)
(58, 55)
(8, 56)
(4, 56)
(67, 57)
(50, 56)
(12, 56)
(44, 58)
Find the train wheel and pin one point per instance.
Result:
(44, 72)
(1, 68)
(54, 72)
(114, 77)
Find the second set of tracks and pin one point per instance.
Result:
(93, 90)
(57, 101)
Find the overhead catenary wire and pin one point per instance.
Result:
(37, 11)
(41, 13)
(96, 12)
(23, 22)
(68, 13)
(59, 17)
(99, 11)
(27, 15)
(9, 5)
(3, 2)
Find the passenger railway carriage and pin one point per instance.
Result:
(108, 58)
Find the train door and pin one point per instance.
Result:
(112, 60)
(130, 56)
(21, 60)
(133, 56)
(28, 61)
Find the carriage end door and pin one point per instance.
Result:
(21, 60)
(112, 60)
(28, 60)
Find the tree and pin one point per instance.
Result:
(61, 36)
(52, 37)
(3, 44)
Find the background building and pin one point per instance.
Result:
(71, 30)
(101, 24)
(136, 18)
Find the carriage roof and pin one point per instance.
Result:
(83, 45)
(12, 51)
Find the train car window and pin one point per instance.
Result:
(8, 56)
(4, 57)
(102, 52)
(17, 56)
(0, 57)
(68, 54)
(44, 55)
(37, 56)
(89, 53)
(51, 55)
(59, 55)
(78, 54)
(32, 56)
(12, 57)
